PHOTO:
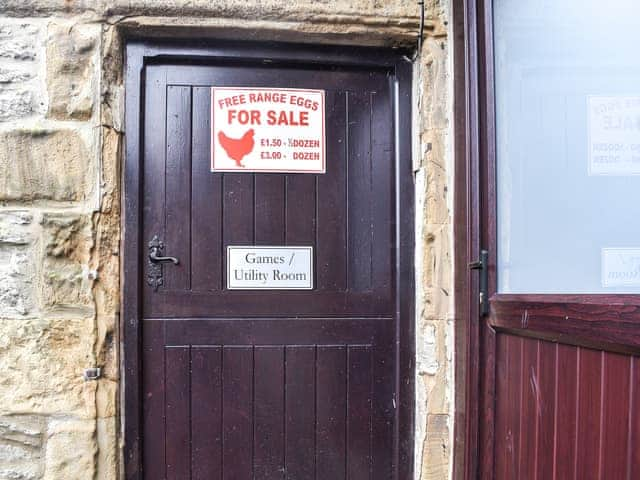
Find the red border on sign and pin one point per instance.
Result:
(268, 170)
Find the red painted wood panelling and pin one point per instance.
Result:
(565, 412)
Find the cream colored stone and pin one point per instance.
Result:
(17, 291)
(433, 366)
(71, 450)
(108, 451)
(436, 452)
(106, 398)
(21, 447)
(71, 70)
(44, 164)
(66, 279)
(67, 236)
(17, 264)
(436, 207)
(20, 95)
(41, 367)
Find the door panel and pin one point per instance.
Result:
(559, 344)
(564, 409)
(274, 384)
(338, 213)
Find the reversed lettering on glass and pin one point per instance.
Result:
(614, 135)
(620, 267)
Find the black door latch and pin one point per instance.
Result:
(483, 266)
(154, 273)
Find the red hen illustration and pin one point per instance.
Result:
(237, 148)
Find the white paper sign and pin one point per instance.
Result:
(270, 268)
(267, 130)
(614, 135)
(620, 267)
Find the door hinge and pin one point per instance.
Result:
(483, 265)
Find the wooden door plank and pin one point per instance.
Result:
(615, 421)
(154, 414)
(237, 407)
(331, 412)
(206, 200)
(359, 395)
(529, 414)
(359, 191)
(155, 151)
(383, 180)
(546, 409)
(269, 207)
(178, 188)
(178, 393)
(268, 431)
(508, 405)
(238, 219)
(633, 453)
(565, 417)
(589, 413)
(300, 407)
(331, 256)
(301, 209)
(206, 412)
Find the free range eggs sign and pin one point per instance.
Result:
(267, 130)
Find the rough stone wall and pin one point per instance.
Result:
(61, 116)
(433, 162)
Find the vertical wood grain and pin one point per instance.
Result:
(270, 209)
(331, 255)
(178, 187)
(331, 384)
(359, 395)
(589, 413)
(268, 430)
(237, 406)
(359, 191)
(206, 200)
(615, 421)
(178, 433)
(565, 418)
(206, 412)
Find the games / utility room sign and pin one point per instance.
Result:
(276, 130)
(269, 268)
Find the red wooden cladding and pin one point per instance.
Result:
(564, 411)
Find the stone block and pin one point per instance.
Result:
(107, 461)
(71, 70)
(21, 447)
(20, 95)
(14, 227)
(15, 103)
(66, 279)
(436, 449)
(71, 450)
(41, 367)
(19, 41)
(17, 271)
(44, 164)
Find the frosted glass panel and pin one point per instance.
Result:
(568, 145)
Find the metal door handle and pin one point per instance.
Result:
(483, 265)
(155, 252)
(155, 258)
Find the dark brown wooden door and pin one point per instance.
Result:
(558, 345)
(268, 384)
